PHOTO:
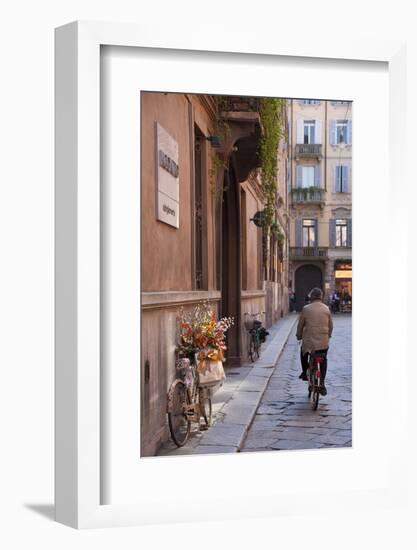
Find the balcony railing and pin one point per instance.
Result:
(308, 252)
(307, 195)
(239, 104)
(308, 150)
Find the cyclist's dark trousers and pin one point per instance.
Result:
(305, 363)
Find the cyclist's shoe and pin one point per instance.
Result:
(303, 376)
(323, 390)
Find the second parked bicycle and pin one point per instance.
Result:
(257, 334)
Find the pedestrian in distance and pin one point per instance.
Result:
(292, 300)
(335, 302)
(314, 330)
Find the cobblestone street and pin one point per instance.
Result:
(284, 418)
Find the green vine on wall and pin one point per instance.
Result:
(272, 118)
(273, 130)
(222, 131)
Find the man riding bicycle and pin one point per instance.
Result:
(315, 327)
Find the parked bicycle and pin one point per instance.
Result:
(187, 402)
(314, 377)
(257, 334)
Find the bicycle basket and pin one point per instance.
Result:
(210, 372)
(253, 323)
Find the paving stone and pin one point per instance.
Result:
(220, 434)
(263, 443)
(296, 433)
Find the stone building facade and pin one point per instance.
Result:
(320, 197)
(199, 198)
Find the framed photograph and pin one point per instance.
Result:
(210, 208)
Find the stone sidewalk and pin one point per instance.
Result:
(236, 403)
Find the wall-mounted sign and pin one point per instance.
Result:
(343, 274)
(167, 195)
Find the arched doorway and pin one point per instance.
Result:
(306, 278)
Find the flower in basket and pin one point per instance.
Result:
(199, 330)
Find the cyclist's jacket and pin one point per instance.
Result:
(315, 327)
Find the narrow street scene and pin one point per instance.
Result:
(285, 419)
(265, 407)
(246, 234)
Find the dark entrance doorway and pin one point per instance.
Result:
(230, 264)
(306, 278)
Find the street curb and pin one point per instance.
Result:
(267, 364)
(278, 354)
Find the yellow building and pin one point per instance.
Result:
(320, 197)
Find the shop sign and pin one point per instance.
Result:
(343, 274)
(167, 158)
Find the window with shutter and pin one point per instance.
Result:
(341, 179)
(309, 132)
(341, 233)
(308, 176)
(309, 229)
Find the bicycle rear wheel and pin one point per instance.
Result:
(205, 407)
(316, 389)
(257, 346)
(316, 396)
(251, 350)
(179, 424)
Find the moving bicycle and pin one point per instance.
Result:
(314, 330)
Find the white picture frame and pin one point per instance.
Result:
(78, 264)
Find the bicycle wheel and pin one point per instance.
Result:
(316, 391)
(316, 395)
(179, 424)
(251, 350)
(310, 384)
(206, 407)
(257, 346)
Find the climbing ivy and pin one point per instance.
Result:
(277, 231)
(218, 163)
(273, 130)
(272, 118)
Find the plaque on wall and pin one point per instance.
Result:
(167, 158)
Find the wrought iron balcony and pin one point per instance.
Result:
(308, 150)
(239, 104)
(310, 195)
(308, 253)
